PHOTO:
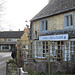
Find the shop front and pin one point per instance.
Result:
(60, 50)
(60, 46)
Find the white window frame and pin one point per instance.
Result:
(68, 21)
(43, 25)
(44, 49)
(39, 49)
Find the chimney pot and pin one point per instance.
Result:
(49, 1)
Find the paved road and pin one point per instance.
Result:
(3, 57)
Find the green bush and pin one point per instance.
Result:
(33, 73)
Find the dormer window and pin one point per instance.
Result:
(68, 20)
(44, 25)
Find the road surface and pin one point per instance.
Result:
(3, 57)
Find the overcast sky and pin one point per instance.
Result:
(17, 11)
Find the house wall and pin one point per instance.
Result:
(1, 39)
(5, 46)
(54, 23)
(24, 36)
(35, 27)
(7, 39)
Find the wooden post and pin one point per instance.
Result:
(6, 68)
(67, 55)
(18, 53)
(49, 57)
(18, 71)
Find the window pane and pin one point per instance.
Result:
(67, 20)
(46, 25)
(71, 20)
(42, 25)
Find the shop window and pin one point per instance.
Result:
(53, 49)
(72, 51)
(44, 25)
(59, 51)
(68, 20)
(38, 49)
(25, 47)
(59, 55)
(45, 48)
(72, 58)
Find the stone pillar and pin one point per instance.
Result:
(25, 73)
(21, 72)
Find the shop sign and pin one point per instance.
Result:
(54, 37)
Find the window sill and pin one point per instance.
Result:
(44, 31)
(68, 27)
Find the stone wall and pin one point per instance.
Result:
(54, 23)
(63, 67)
(55, 67)
(37, 67)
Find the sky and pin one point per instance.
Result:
(18, 11)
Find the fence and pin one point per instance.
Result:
(46, 56)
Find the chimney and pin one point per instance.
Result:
(18, 29)
(49, 1)
(25, 30)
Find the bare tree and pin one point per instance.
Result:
(2, 2)
(1, 6)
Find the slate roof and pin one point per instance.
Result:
(11, 34)
(55, 7)
(71, 32)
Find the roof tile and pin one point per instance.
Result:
(11, 34)
(55, 7)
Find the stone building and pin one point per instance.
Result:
(8, 39)
(56, 23)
